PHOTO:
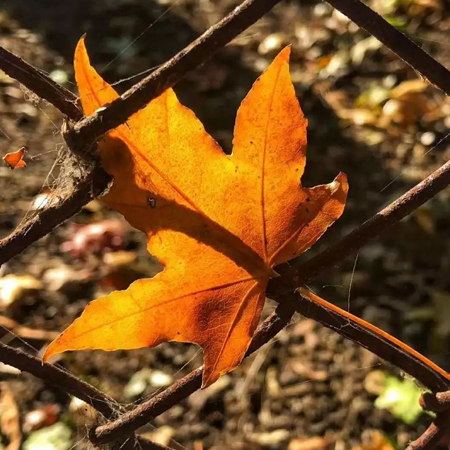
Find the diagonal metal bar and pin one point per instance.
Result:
(40, 83)
(63, 379)
(59, 377)
(396, 41)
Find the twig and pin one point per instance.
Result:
(59, 378)
(71, 203)
(94, 126)
(91, 128)
(316, 309)
(436, 402)
(432, 435)
(40, 83)
(172, 71)
(396, 41)
(184, 387)
(440, 403)
(193, 55)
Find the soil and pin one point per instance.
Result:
(308, 382)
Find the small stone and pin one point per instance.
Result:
(427, 138)
(160, 379)
(145, 378)
(273, 439)
(66, 280)
(313, 443)
(272, 43)
(322, 10)
(162, 435)
(374, 382)
(39, 418)
(60, 76)
(55, 437)
(14, 287)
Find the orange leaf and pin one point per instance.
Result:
(218, 223)
(15, 159)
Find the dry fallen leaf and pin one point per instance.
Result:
(13, 288)
(43, 416)
(374, 440)
(408, 103)
(10, 418)
(95, 238)
(219, 224)
(312, 443)
(15, 159)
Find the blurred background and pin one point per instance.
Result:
(370, 116)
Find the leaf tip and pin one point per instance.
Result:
(81, 59)
(93, 90)
(81, 44)
(47, 354)
(341, 181)
(54, 348)
(210, 377)
(284, 55)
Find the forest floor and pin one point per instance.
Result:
(369, 116)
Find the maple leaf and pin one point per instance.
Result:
(219, 224)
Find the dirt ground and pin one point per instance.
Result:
(309, 388)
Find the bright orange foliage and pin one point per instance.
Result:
(15, 159)
(218, 223)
